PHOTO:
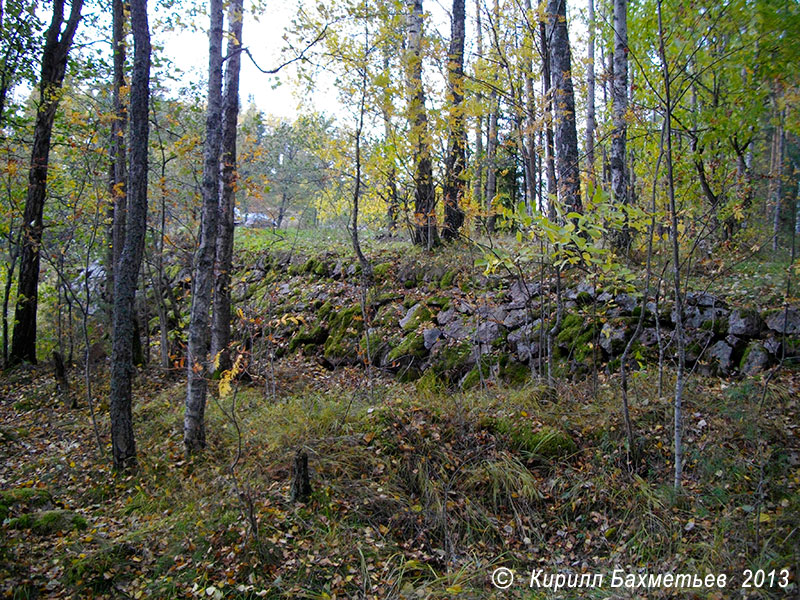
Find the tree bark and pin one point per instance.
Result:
(221, 328)
(54, 67)
(479, 157)
(590, 100)
(563, 102)
(549, 152)
(456, 153)
(117, 207)
(127, 269)
(194, 433)
(425, 227)
(619, 101)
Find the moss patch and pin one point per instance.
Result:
(314, 336)
(413, 345)
(49, 521)
(548, 443)
(344, 332)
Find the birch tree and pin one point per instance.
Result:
(194, 433)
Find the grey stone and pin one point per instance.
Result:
(523, 294)
(457, 329)
(445, 316)
(745, 322)
(626, 303)
(430, 336)
(721, 355)
(703, 299)
(515, 318)
(756, 359)
(775, 320)
(488, 332)
(648, 337)
(525, 341)
(613, 338)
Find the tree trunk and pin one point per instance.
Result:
(776, 182)
(676, 265)
(126, 275)
(590, 101)
(117, 207)
(479, 157)
(619, 102)
(54, 67)
(194, 433)
(549, 153)
(425, 228)
(456, 156)
(221, 329)
(563, 102)
(530, 125)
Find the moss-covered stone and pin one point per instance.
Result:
(310, 266)
(719, 327)
(440, 302)
(447, 279)
(413, 346)
(308, 336)
(548, 442)
(49, 521)
(422, 314)
(344, 331)
(25, 495)
(382, 270)
(324, 310)
(515, 373)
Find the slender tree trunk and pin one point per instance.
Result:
(549, 153)
(119, 125)
(123, 445)
(530, 122)
(619, 101)
(590, 101)
(491, 139)
(58, 41)
(221, 328)
(479, 156)
(676, 265)
(565, 131)
(194, 433)
(366, 268)
(777, 180)
(456, 153)
(425, 228)
(392, 201)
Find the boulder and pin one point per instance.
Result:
(457, 329)
(443, 317)
(522, 294)
(775, 320)
(430, 336)
(488, 333)
(755, 359)
(720, 355)
(745, 322)
(613, 337)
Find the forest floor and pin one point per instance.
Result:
(415, 494)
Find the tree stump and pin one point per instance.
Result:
(301, 486)
(62, 382)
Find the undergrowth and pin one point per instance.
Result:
(414, 495)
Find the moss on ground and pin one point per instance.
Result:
(49, 521)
